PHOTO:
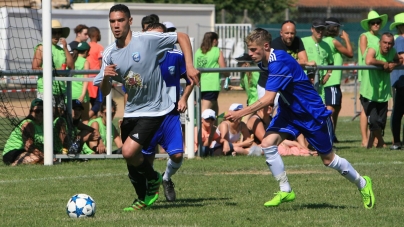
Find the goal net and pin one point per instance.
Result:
(20, 33)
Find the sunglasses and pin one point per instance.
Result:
(378, 22)
(211, 119)
(38, 110)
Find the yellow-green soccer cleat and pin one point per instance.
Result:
(367, 194)
(136, 205)
(152, 192)
(281, 197)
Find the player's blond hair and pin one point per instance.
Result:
(259, 36)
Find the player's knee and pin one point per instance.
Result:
(177, 158)
(270, 151)
(375, 124)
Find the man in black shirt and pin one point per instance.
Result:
(292, 44)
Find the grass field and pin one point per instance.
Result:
(227, 191)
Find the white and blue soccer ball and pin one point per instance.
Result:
(80, 206)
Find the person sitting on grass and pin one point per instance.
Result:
(235, 137)
(210, 134)
(25, 144)
(99, 124)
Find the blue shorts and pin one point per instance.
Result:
(169, 136)
(318, 133)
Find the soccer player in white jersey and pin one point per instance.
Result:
(169, 135)
(132, 61)
(300, 111)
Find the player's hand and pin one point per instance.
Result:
(391, 67)
(94, 136)
(110, 70)
(63, 42)
(101, 148)
(311, 63)
(232, 115)
(193, 75)
(182, 106)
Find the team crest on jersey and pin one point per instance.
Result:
(136, 56)
(133, 80)
(171, 69)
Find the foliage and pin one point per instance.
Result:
(259, 11)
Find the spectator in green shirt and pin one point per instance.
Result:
(375, 90)
(332, 89)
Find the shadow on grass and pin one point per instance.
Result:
(319, 206)
(191, 202)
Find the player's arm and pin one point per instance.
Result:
(363, 44)
(371, 58)
(347, 51)
(302, 58)
(186, 48)
(37, 61)
(69, 58)
(182, 103)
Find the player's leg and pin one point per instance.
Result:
(321, 140)
(277, 132)
(172, 142)
(333, 99)
(396, 117)
(136, 133)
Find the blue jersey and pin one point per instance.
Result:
(172, 66)
(298, 100)
(169, 135)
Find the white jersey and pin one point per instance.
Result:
(138, 70)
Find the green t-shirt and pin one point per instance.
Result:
(320, 53)
(103, 133)
(373, 40)
(375, 84)
(209, 81)
(335, 78)
(250, 87)
(58, 58)
(15, 141)
(57, 143)
(77, 86)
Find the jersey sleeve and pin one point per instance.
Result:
(100, 76)
(161, 41)
(301, 45)
(279, 76)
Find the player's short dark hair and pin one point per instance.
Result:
(155, 18)
(156, 25)
(120, 8)
(148, 20)
(259, 36)
(288, 21)
(94, 32)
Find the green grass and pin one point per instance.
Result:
(227, 191)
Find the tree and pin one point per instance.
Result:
(259, 11)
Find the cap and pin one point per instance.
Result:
(77, 104)
(244, 58)
(36, 102)
(82, 46)
(236, 106)
(208, 113)
(168, 25)
(332, 21)
(317, 23)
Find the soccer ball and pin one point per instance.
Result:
(80, 206)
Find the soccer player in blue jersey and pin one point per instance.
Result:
(169, 135)
(131, 60)
(300, 111)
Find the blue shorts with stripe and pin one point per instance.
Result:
(318, 133)
(169, 136)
